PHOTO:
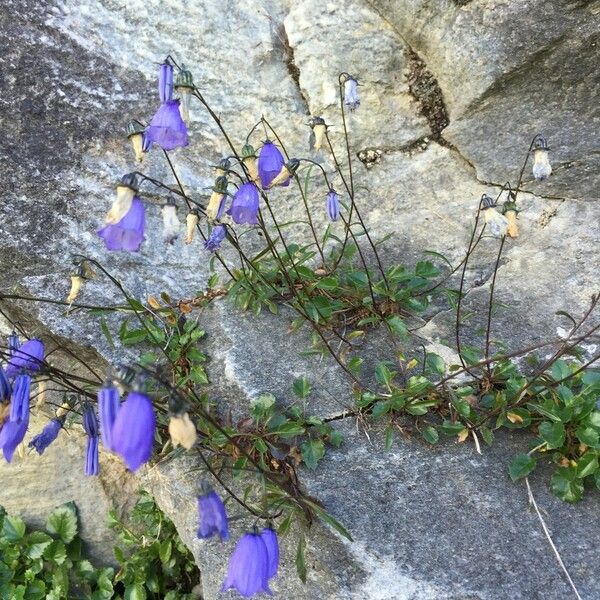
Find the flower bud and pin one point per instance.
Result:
(351, 97)
(191, 223)
(182, 431)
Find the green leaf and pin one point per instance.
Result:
(430, 434)
(566, 485)
(451, 427)
(13, 528)
(397, 325)
(521, 466)
(165, 551)
(331, 521)
(553, 434)
(300, 560)
(133, 336)
(288, 429)
(587, 465)
(37, 542)
(487, 434)
(589, 436)
(56, 552)
(389, 437)
(312, 452)
(560, 370)
(435, 363)
(302, 387)
(62, 522)
(106, 332)
(135, 592)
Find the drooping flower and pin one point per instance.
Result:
(27, 358)
(11, 435)
(127, 188)
(244, 206)
(216, 204)
(542, 169)
(319, 129)
(270, 161)
(78, 278)
(286, 173)
(184, 84)
(133, 430)
(90, 424)
(191, 224)
(182, 431)
(351, 98)
(19, 401)
(510, 212)
(217, 235)
(171, 224)
(4, 386)
(497, 223)
(167, 128)
(333, 205)
(165, 82)
(269, 537)
(212, 515)
(109, 401)
(50, 432)
(249, 159)
(128, 233)
(248, 567)
(135, 134)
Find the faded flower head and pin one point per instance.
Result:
(50, 432)
(216, 204)
(542, 169)
(250, 161)
(171, 224)
(182, 431)
(333, 205)
(135, 134)
(217, 235)
(212, 516)
(244, 206)
(351, 97)
(270, 162)
(248, 570)
(127, 188)
(184, 84)
(167, 128)
(133, 430)
(128, 233)
(286, 173)
(27, 358)
(319, 129)
(497, 223)
(191, 224)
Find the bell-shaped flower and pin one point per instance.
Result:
(244, 206)
(248, 570)
(497, 223)
(50, 432)
(269, 537)
(90, 424)
(26, 359)
(11, 436)
(191, 225)
(217, 235)
(4, 386)
(128, 233)
(286, 173)
(319, 130)
(182, 431)
(165, 82)
(171, 224)
(351, 98)
(133, 430)
(270, 162)
(333, 205)
(212, 515)
(19, 401)
(167, 128)
(542, 169)
(109, 401)
(127, 188)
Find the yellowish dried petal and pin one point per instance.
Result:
(463, 435)
(282, 176)
(191, 222)
(514, 417)
(76, 283)
(513, 227)
(182, 431)
(252, 167)
(41, 393)
(213, 205)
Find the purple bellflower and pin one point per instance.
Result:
(165, 82)
(4, 386)
(333, 205)
(217, 235)
(270, 162)
(213, 517)
(50, 432)
(109, 402)
(27, 358)
(248, 570)
(19, 401)
(90, 424)
(351, 98)
(13, 343)
(244, 206)
(133, 430)
(11, 436)
(167, 128)
(269, 537)
(128, 233)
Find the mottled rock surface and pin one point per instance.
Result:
(452, 94)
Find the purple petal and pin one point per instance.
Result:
(11, 436)
(108, 407)
(248, 567)
(244, 206)
(213, 517)
(165, 82)
(269, 537)
(92, 466)
(42, 440)
(4, 386)
(270, 161)
(167, 128)
(19, 402)
(128, 233)
(27, 358)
